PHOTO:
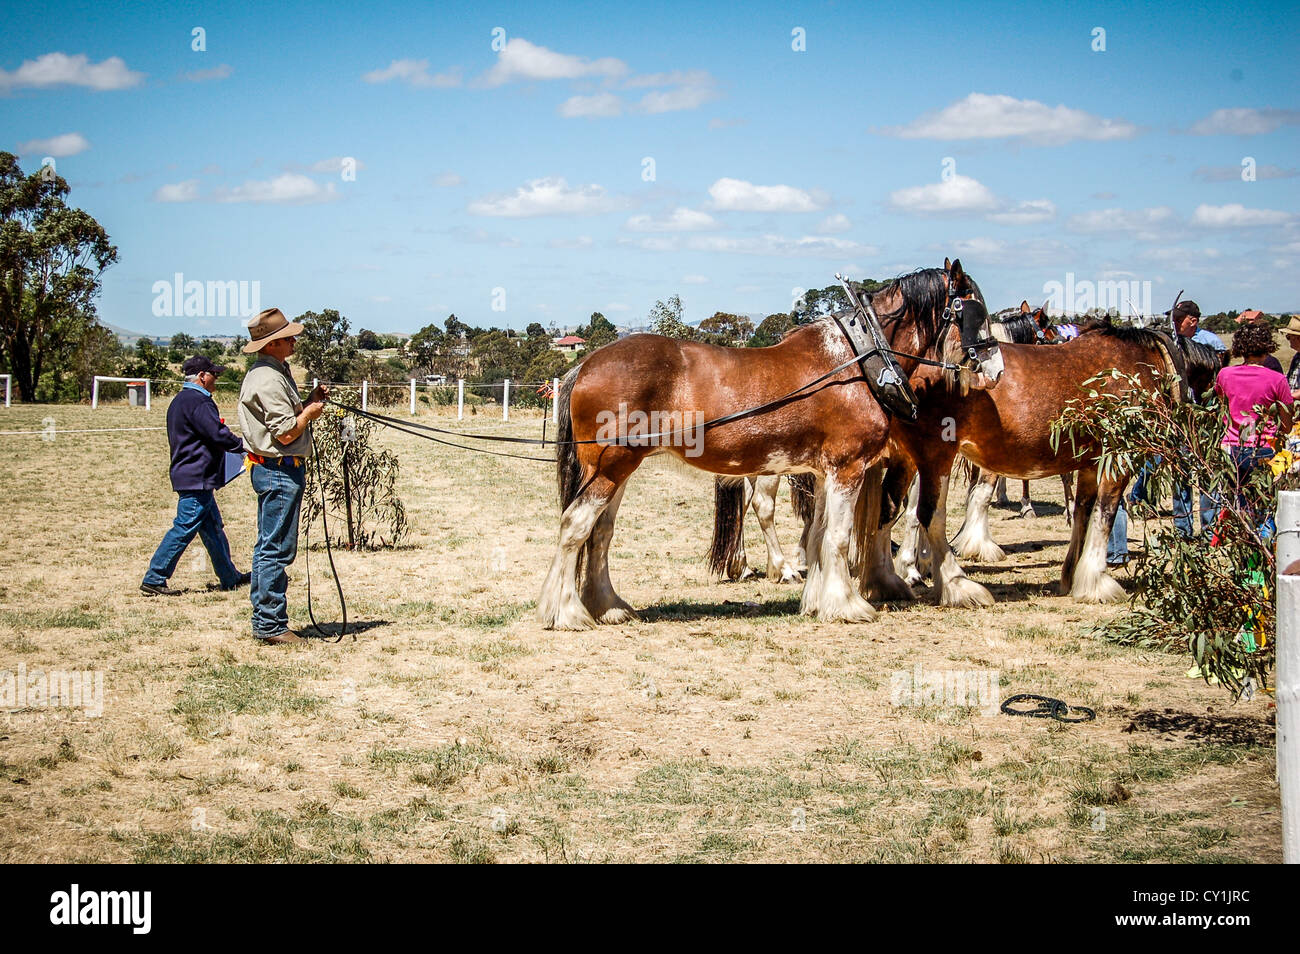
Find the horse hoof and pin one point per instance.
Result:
(965, 592)
(1104, 589)
(1028, 513)
(619, 614)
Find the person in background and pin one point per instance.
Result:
(1186, 318)
(275, 420)
(1242, 388)
(1292, 332)
(198, 441)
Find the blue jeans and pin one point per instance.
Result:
(279, 499)
(196, 513)
(1117, 545)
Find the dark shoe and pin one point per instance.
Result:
(158, 589)
(288, 636)
(244, 580)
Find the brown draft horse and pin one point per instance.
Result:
(834, 430)
(1006, 429)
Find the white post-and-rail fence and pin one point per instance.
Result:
(94, 389)
(9, 386)
(365, 394)
(1287, 676)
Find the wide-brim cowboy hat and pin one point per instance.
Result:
(267, 326)
(1292, 326)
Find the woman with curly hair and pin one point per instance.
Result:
(1244, 387)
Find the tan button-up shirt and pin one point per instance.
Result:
(268, 408)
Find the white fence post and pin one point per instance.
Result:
(9, 386)
(1287, 676)
(505, 401)
(413, 395)
(460, 399)
(94, 393)
(94, 389)
(555, 400)
(365, 394)
(148, 387)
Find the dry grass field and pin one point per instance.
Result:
(721, 726)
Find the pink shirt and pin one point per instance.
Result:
(1243, 386)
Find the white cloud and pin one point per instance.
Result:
(833, 225)
(1236, 216)
(59, 69)
(695, 280)
(221, 72)
(581, 242)
(599, 106)
(521, 60)
(683, 97)
(617, 306)
(414, 73)
(549, 196)
(187, 191)
(292, 188)
(335, 164)
(447, 180)
(653, 243)
(673, 78)
(1146, 222)
(984, 116)
(1233, 173)
(736, 195)
(807, 246)
(958, 195)
(983, 250)
(1029, 212)
(67, 144)
(1244, 122)
(681, 219)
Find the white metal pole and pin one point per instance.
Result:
(460, 399)
(9, 386)
(148, 386)
(555, 400)
(365, 394)
(412, 395)
(505, 401)
(94, 393)
(1287, 676)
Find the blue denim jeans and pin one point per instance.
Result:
(196, 514)
(279, 499)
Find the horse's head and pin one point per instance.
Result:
(917, 309)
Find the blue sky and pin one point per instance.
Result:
(508, 166)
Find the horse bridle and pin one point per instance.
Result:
(952, 315)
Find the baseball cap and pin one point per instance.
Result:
(199, 364)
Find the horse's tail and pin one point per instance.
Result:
(568, 470)
(967, 470)
(803, 495)
(728, 546)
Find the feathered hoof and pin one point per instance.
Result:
(619, 614)
(566, 615)
(848, 611)
(891, 589)
(966, 593)
(913, 577)
(981, 551)
(1028, 513)
(1103, 589)
(788, 574)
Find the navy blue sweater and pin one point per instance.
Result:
(198, 441)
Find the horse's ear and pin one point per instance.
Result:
(1024, 307)
(947, 264)
(956, 271)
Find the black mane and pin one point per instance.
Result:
(1202, 361)
(925, 293)
(1020, 328)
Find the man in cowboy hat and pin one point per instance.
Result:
(1292, 332)
(198, 440)
(274, 420)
